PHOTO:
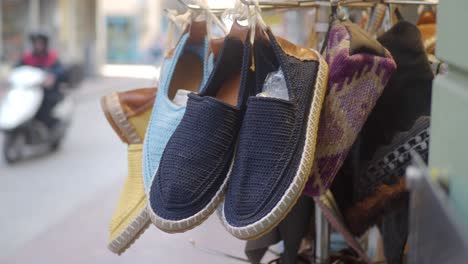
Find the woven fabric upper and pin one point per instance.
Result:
(271, 139)
(140, 122)
(355, 83)
(166, 115)
(132, 199)
(197, 157)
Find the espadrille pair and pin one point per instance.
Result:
(129, 114)
(253, 152)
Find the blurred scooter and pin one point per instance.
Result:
(26, 136)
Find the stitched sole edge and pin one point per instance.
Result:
(131, 233)
(292, 194)
(115, 115)
(180, 226)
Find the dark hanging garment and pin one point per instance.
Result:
(378, 159)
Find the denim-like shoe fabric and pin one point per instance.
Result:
(166, 115)
(276, 142)
(193, 170)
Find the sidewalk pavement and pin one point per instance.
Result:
(82, 238)
(56, 209)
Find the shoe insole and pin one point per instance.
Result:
(188, 74)
(229, 90)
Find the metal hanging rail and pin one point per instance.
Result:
(310, 3)
(199, 8)
(410, 2)
(269, 5)
(339, 2)
(273, 3)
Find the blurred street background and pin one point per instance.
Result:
(56, 208)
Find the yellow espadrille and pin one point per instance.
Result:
(130, 218)
(128, 114)
(140, 122)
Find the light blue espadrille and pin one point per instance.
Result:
(167, 111)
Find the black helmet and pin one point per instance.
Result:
(39, 34)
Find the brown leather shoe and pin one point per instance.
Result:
(128, 113)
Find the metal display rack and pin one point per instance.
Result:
(431, 213)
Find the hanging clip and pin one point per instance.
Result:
(175, 20)
(212, 17)
(337, 11)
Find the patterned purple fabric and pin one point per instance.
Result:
(354, 85)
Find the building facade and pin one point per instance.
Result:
(70, 24)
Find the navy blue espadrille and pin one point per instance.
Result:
(277, 140)
(192, 175)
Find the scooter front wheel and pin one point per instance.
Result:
(12, 147)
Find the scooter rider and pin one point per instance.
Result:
(41, 57)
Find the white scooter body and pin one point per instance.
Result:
(23, 99)
(25, 136)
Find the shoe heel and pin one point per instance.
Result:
(116, 117)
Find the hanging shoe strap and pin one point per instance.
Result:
(176, 20)
(211, 18)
